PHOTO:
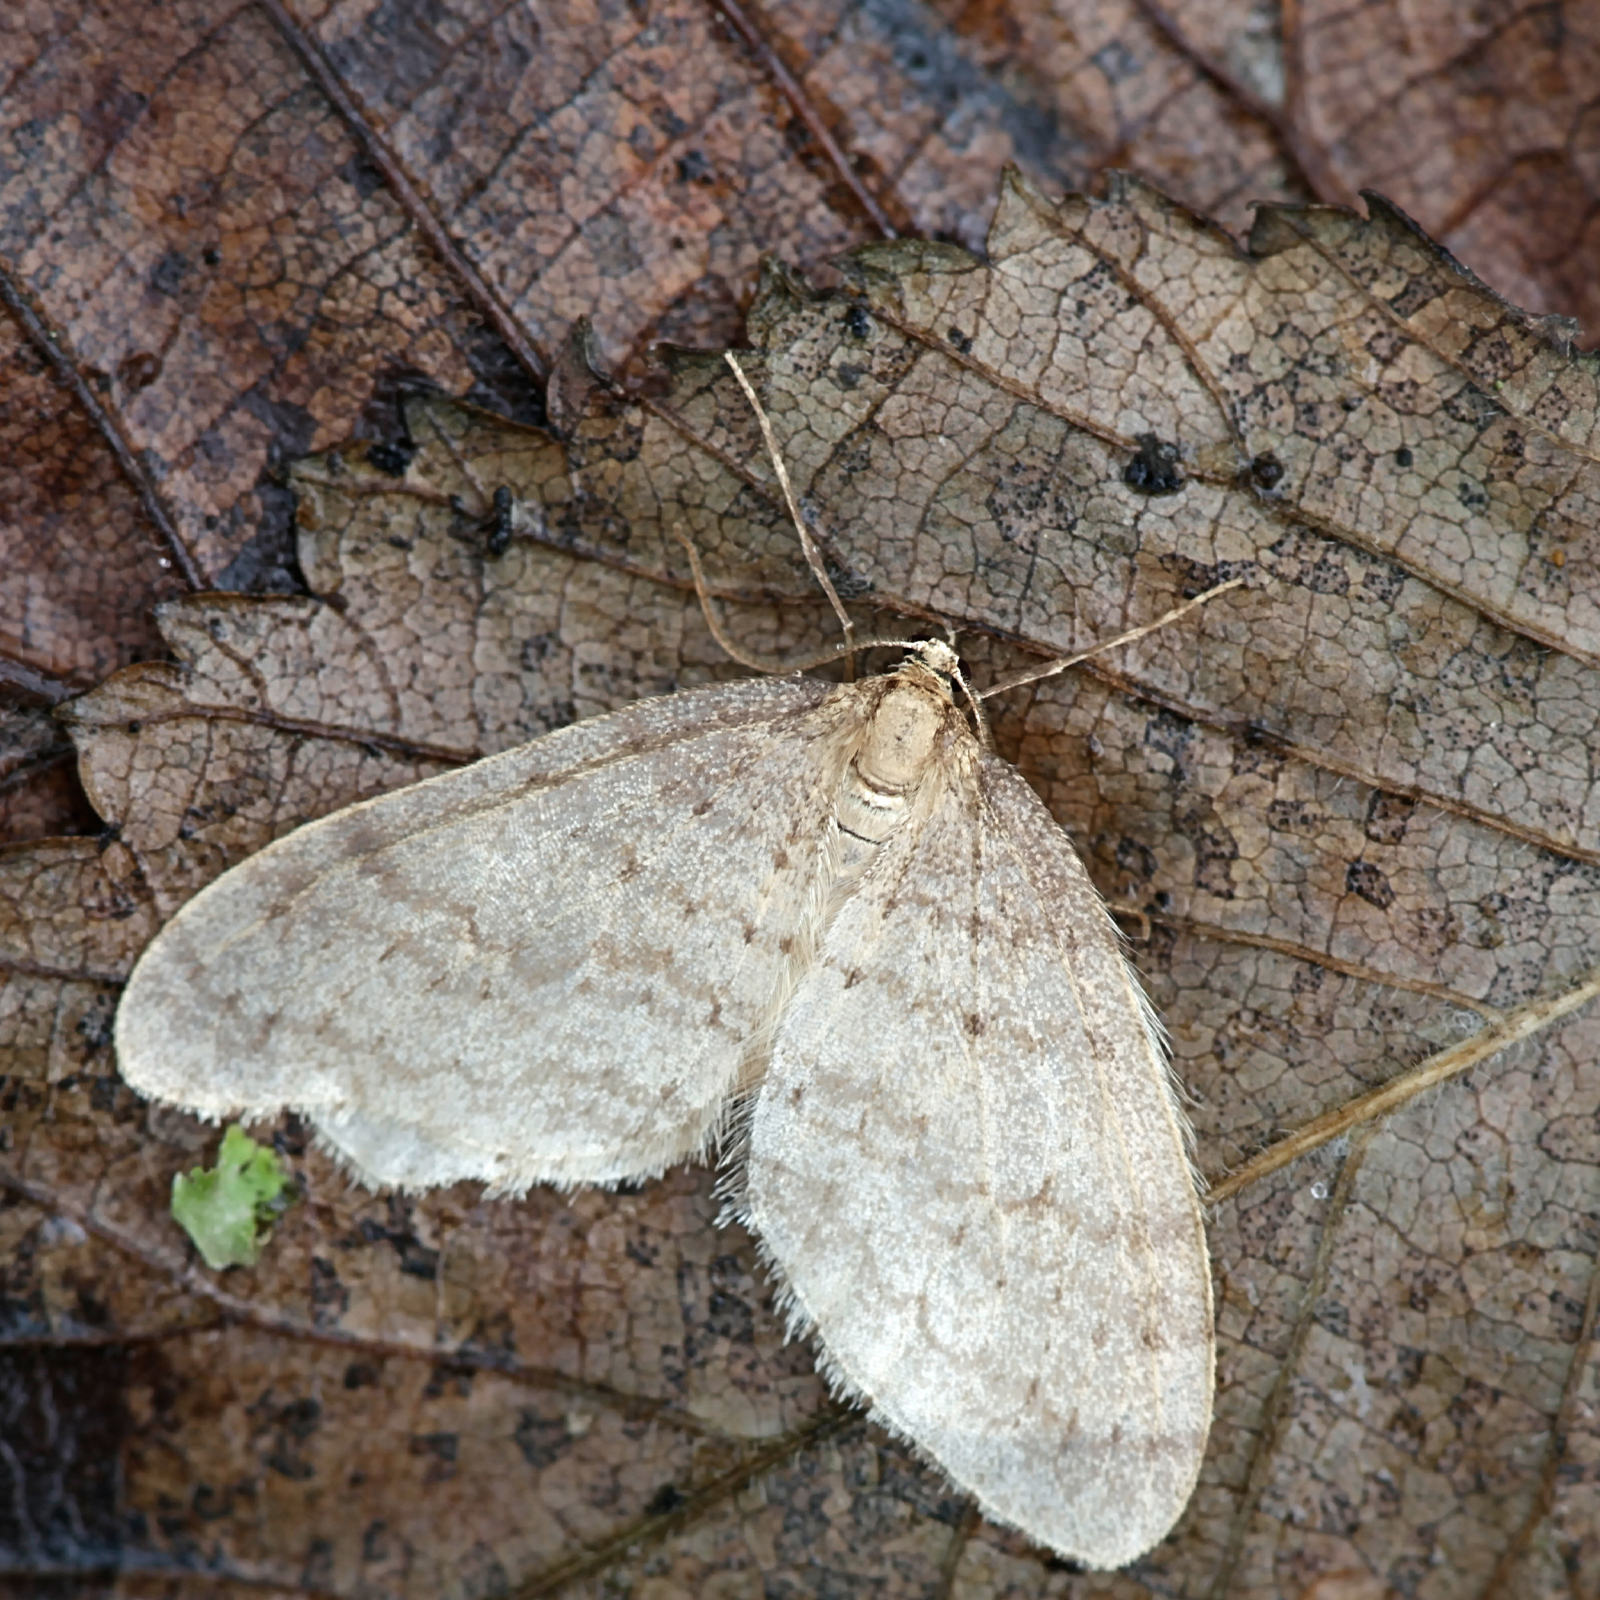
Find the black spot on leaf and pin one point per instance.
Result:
(139, 370)
(1153, 469)
(1137, 859)
(540, 1439)
(1387, 816)
(392, 457)
(1370, 882)
(363, 175)
(1215, 851)
(499, 524)
(694, 168)
(1266, 471)
(166, 278)
(664, 1501)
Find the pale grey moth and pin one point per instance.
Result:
(822, 928)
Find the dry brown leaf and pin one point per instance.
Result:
(1356, 803)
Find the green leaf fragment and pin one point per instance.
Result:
(229, 1211)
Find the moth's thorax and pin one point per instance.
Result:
(901, 738)
(900, 746)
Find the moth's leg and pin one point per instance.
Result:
(1124, 908)
(774, 669)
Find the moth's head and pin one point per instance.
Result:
(936, 657)
(933, 664)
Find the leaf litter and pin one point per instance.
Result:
(1379, 771)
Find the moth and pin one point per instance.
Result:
(822, 929)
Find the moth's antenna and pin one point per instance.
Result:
(1014, 680)
(807, 543)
